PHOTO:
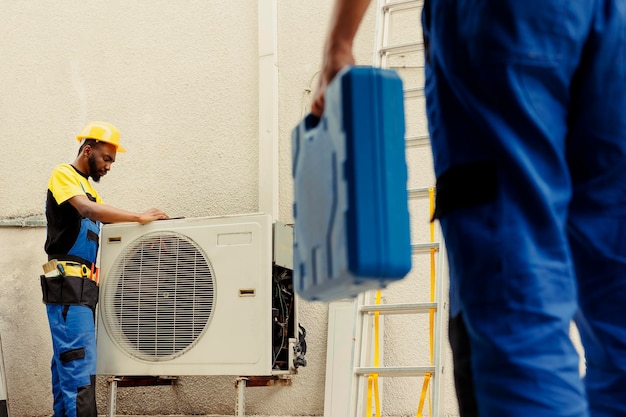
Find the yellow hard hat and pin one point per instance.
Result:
(103, 132)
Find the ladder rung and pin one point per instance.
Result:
(414, 92)
(405, 48)
(392, 371)
(413, 308)
(424, 247)
(415, 193)
(413, 141)
(402, 5)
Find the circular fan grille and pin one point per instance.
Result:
(159, 296)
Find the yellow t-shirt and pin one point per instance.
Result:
(66, 182)
(68, 233)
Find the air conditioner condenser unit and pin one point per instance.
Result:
(186, 297)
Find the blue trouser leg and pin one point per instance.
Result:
(525, 104)
(597, 220)
(462, 367)
(73, 360)
(57, 405)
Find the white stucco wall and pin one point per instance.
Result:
(180, 80)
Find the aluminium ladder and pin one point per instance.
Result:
(393, 50)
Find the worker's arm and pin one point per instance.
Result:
(344, 23)
(108, 214)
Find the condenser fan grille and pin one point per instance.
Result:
(159, 296)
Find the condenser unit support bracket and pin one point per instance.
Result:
(256, 381)
(133, 381)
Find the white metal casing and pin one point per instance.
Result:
(143, 277)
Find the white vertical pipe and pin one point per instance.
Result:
(268, 108)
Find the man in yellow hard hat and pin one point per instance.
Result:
(74, 212)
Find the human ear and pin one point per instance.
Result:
(87, 150)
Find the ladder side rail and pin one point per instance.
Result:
(364, 323)
(440, 322)
(364, 307)
(362, 336)
(380, 33)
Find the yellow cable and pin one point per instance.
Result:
(376, 331)
(431, 313)
(370, 386)
(420, 408)
(376, 395)
(372, 380)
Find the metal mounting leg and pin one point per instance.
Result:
(112, 395)
(240, 409)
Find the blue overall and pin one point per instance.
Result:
(526, 104)
(73, 360)
(72, 326)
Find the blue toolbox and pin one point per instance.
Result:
(351, 211)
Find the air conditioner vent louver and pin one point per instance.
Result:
(163, 296)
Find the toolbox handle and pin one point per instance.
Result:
(311, 121)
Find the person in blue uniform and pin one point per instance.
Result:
(74, 212)
(526, 108)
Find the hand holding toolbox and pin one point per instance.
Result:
(352, 231)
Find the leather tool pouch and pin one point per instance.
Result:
(69, 291)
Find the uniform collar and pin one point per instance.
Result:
(81, 173)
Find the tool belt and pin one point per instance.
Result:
(74, 284)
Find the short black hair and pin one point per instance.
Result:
(87, 142)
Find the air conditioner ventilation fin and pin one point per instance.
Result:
(160, 297)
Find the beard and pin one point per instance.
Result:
(93, 168)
